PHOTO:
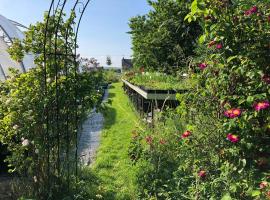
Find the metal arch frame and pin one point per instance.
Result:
(55, 12)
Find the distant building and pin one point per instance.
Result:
(126, 64)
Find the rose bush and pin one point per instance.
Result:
(224, 148)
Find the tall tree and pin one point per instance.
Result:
(161, 39)
(109, 60)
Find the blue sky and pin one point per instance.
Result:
(103, 29)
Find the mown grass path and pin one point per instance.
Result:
(115, 173)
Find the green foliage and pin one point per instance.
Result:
(16, 50)
(34, 109)
(159, 81)
(111, 76)
(161, 39)
(232, 72)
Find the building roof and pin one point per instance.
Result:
(126, 63)
(8, 32)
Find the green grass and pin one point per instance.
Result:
(113, 173)
(159, 81)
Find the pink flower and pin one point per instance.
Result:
(186, 134)
(261, 105)
(254, 9)
(219, 46)
(149, 140)
(202, 66)
(233, 113)
(266, 78)
(263, 184)
(233, 138)
(202, 174)
(248, 12)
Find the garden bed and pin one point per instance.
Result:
(147, 101)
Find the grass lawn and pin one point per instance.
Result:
(113, 175)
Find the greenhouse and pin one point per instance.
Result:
(135, 100)
(9, 31)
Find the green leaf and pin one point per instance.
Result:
(231, 58)
(187, 17)
(202, 39)
(250, 99)
(194, 7)
(226, 197)
(255, 193)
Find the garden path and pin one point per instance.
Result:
(90, 135)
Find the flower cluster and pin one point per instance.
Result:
(251, 11)
(261, 105)
(233, 113)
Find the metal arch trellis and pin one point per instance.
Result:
(57, 64)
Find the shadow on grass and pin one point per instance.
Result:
(91, 187)
(109, 113)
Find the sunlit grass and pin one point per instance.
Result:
(114, 173)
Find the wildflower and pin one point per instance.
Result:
(25, 142)
(263, 184)
(219, 46)
(36, 151)
(149, 140)
(233, 113)
(269, 18)
(261, 105)
(162, 141)
(202, 66)
(202, 174)
(186, 134)
(233, 138)
(15, 127)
